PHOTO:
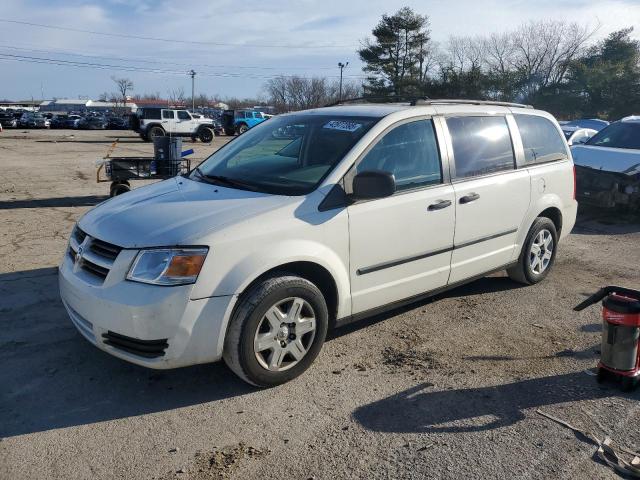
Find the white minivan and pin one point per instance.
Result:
(314, 219)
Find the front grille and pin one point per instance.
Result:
(142, 348)
(95, 269)
(97, 256)
(104, 249)
(78, 235)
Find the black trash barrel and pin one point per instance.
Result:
(166, 152)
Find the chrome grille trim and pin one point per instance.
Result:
(96, 257)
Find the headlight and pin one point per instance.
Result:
(164, 266)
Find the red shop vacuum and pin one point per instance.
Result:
(620, 353)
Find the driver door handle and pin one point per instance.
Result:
(439, 205)
(469, 198)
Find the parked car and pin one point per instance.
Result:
(154, 122)
(93, 122)
(73, 120)
(608, 166)
(239, 121)
(7, 120)
(577, 135)
(59, 121)
(33, 120)
(118, 123)
(592, 123)
(362, 208)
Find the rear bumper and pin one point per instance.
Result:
(151, 326)
(569, 215)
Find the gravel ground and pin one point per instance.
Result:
(444, 389)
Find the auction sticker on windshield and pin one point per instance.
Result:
(342, 126)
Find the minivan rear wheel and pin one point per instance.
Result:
(538, 253)
(277, 330)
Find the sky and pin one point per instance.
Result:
(234, 46)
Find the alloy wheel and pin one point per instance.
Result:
(285, 334)
(541, 252)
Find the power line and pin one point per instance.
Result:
(158, 62)
(160, 39)
(130, 68)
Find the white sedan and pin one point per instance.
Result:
(577, 135)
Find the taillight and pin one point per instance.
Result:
(575, 185)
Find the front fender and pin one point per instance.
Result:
(252, 266)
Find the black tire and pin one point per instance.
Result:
(155, 132)
(119, 189)
(205, 134)
(522, 272)
(242, 128)
(239, 352)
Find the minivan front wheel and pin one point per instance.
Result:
(277, 330)
(538, 253)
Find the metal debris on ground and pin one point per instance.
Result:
(606, 452)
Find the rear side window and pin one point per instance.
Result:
(152, 114)
(167, 114)
(410, 153)
(481, 145)
(540, 138)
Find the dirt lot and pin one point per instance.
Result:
(444, 389)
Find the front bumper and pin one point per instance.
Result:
(189, 331)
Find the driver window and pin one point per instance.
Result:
(183, 115)
(410, 153)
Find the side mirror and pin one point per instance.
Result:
(373, 184)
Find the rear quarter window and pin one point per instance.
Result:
(541, 139)
(151, 114)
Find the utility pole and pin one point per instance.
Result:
(341, 66)
(193, 98)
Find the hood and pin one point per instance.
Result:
(617, 160)
(177, 211)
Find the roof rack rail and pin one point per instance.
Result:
(381, 99)
(445, 101)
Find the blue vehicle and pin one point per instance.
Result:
(239, 121)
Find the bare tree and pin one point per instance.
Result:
(124, 85)
(499, 52)
(463, 54)
(299, 93)
(176, 97)
(544, 50)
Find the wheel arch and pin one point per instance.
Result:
(317, 274)
(555, 215)
(153, 125)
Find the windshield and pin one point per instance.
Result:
(618, 135)
(287, 155)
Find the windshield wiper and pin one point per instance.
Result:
(225, 181)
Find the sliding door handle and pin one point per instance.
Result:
(439, 205)
(472, 197)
